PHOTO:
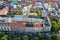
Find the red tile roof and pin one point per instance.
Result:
(4, 11)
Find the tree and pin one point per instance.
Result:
(38, 11)
(19, 38)
(54, 19)
(36, 38)
(11, 35)
(2, 34)
(30, 36)
(18, 13)
(58, 37)
(47, 37)
(53, 37)
(39, 36)
(25, 37)
(52, 29)
(11, 13)
(31, 10)
(55, 25)
(5, 37)
(59, 25)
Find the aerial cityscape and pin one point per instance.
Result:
(29, 19)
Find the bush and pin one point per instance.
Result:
(54, 37)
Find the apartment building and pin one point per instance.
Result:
(26, 23)
(29, 1)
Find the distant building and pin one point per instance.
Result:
(4, 11)
(29, 1)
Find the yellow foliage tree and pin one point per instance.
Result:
(58, 37)
(38, 12)
(55, 25)
(19, 13)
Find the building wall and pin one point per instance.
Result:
(29, 1)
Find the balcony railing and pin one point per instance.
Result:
(25, 29)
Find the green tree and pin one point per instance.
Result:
(25, 37)
(55, 25)
(11, 36)
(47, 37)
(5, 37)
(59, 25)
(54, 19)
(11, 13)
(36, 38)
(30, 36)
(43, 37)
(2, 34)
(53, 37)
(39, 36)
(19, 38)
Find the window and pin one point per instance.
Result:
(6, 24)
(1, 24)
